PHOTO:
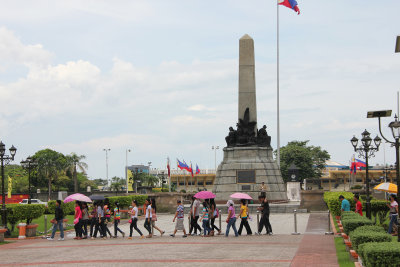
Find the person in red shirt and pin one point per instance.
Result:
(358, 205)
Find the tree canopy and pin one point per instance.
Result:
(309, 159)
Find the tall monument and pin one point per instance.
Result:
(248, 157)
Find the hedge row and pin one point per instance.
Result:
(351, 221)
(334, 204)
(68, 208)
(380, 254)
(22, 212)
(126, 201)
(363, 235)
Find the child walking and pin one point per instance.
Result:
(117, 219)
(204, 218)
(179, 216)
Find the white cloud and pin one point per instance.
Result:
(13, 52)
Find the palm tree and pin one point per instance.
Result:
(74, 162)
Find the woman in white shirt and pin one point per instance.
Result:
(147, 220)
(134, 218)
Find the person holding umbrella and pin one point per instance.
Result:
(78, 220)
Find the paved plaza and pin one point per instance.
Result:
(281, 249)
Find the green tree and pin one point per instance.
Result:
(50, 165)
(150, 180)
(75, 162)
(309, 159)
(117, 183)
(19, 178)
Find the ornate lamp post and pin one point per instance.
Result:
(395, 128)
(5, 159)
(29, 164)
(366, 150)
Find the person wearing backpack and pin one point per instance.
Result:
(214, 212)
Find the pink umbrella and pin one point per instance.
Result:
(204, 195)
(78, 197)
(241, 196)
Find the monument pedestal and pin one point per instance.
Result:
(244, 168)
(293, 191)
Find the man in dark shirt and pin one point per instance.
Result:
(58, 221)
(264, 208)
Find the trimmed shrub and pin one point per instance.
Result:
(68, 208)
(156, 189)
(360, 236)
(373, 228)
(351, 224)
(349, 214)
(126, 201)
(22, 212)
(380, 254)
(334, 204)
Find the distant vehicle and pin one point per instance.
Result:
(33, 201)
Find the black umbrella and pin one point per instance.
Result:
(97, 197)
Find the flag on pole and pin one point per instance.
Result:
(360, 164)
(9, 187)
(168, 168)
(183, 165)
(353, 166)
(290, 4)
(197, 169)
(191, 169)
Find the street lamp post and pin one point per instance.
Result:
(29, 164)
(126, 169)
(215, 156)
(5, 159)
(366, 150)
(395, 128)
(107, 150)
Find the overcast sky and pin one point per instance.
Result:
(160, 77)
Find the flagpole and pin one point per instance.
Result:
(278, 139)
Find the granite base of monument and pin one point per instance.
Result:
(243, 169)
(293, 191)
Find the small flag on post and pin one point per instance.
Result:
(9, 187)
(168, 168)
(197, 169)
(290, 4)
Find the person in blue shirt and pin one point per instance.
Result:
(345, 203)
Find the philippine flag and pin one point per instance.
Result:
(290, 4)
(182, 166)
(197, 169)
(360, 163)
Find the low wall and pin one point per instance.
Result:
(313, 200)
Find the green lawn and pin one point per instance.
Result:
(342, 254)
(40, 222)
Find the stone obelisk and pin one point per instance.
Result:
(248, 160)
(247, 79)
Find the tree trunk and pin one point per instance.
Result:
(75, 180)
(49, 189)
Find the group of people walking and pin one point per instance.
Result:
(206, 213)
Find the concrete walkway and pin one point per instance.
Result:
(316, 248)
(281, 249)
